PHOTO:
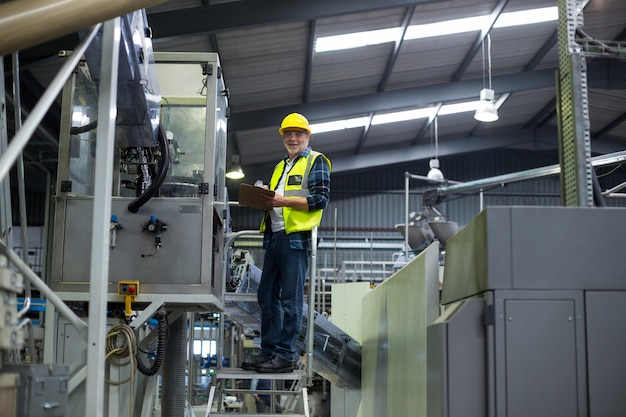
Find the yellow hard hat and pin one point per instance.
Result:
(295, 120)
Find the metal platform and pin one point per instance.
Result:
(282, 384)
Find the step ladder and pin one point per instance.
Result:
(287, 386)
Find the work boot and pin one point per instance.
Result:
(275, 365)
(254, 361)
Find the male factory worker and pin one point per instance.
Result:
(301, 181)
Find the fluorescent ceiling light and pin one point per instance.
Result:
(458, 108)
(527, 17)
(448, 27)
(394, 117)
(401, 116)
(339, 125)
(356, 40)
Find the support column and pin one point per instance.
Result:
(573, 110)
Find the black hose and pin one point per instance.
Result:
(164, 163)
(160, 352)
(77, 130)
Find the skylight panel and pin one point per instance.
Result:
(339, 125)
(527, 17)
(448, 27)
(356, 40)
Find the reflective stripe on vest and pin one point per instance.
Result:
(296, 220)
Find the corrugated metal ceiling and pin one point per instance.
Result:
(266, 51)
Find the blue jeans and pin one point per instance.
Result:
(281, 295)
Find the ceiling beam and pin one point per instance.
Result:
(366, 131)
(247, 13)
(446, 148)
(612, 125)
(389, 100)
(533, 139)
(309, 61)
(391, 62)
(542, 52)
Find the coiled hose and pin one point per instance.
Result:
(120, 345)
(160, 351)
(164, 163)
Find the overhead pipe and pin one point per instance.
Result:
(28, 23)
(596, 161)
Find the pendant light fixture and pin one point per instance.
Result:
(235, 172)
(486, 111)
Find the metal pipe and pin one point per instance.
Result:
(231, 237)
(41, 108)
(101, 217)
(614, 189)
(529, 174)
(43, 132)
(335, 246)
(46, 292)
(482, 199)
(311, 322)
(27, 23)
(406, 217)
(21, 189)
(228, 240)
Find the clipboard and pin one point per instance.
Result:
(250, 196)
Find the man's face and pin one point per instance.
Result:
(295, 141)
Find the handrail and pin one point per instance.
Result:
(228, 240)
(311, 326)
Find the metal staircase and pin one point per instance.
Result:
(327, 350)
(287, 389)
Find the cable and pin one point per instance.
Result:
(164, 163)
(77, 130)
(610, 172)
(160, 352)
(118, 349)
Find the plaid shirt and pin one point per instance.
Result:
(319, 188)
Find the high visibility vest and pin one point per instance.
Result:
(296, 185)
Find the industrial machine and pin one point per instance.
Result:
(169, 215)
(163, 253)
(534, 304)
(168, 206)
